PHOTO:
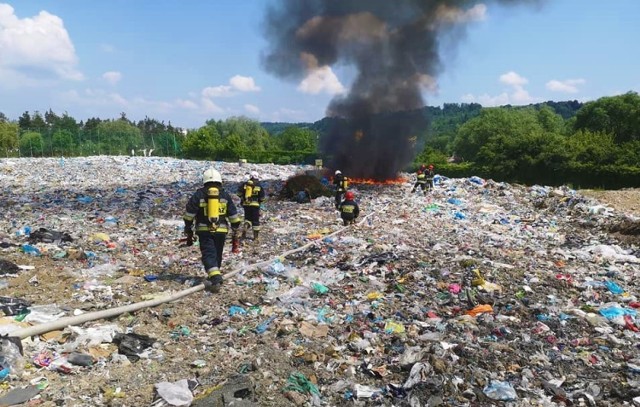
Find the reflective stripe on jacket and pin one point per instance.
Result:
(196, 212)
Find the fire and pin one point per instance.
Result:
(368, 181)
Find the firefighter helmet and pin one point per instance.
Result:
(349, 195)
(254, 174)
(211, 175)
(430, 166)
(338, 172)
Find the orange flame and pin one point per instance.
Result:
(367, 181)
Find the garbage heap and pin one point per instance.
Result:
(481, 293)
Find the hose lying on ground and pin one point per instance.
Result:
(112, 312)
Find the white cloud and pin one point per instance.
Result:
(516, 95)
(112, 77)
(252, 109)
(244, 84)
(321, 79)
(186, 104)
(217, 91)
(40, 44)
(207, 106)
(513, 79)
(236, 84)
(566, 86)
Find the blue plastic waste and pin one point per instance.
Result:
(500, 391)
(459, 215)
(613, 287)
(85, 199)
(262, 328)
(613, 312)
(234, 310)
(32, 250)
(454, 201)
(25, 231)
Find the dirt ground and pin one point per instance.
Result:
(624, 200)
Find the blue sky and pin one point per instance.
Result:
(189, 61)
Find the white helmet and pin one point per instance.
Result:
(254, 174)
(338, 172)
(211, 175)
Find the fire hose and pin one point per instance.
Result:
(19, 334)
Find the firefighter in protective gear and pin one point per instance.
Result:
(210, 211)
(421, 179)
(342, 184)
(430, 174)
(251, 196)
(349, 209)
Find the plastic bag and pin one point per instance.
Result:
(500, 391)
(11, 361)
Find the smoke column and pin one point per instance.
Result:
(393, 45)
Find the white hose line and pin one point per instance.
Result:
(112, 312)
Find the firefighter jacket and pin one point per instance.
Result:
(341, 182)
(349, 209)
(430, 174)
(422, 177)
(256, 196)
(197, 212)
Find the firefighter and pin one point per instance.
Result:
(342, 184)
(210, 210)
(349, 209)
(421, 179)
(251, 196)
(430, 173)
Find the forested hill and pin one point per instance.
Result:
(444, 120)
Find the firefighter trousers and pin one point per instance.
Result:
(211, 247)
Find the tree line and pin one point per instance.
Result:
(595, 144)
(51, 135)
(598, 146)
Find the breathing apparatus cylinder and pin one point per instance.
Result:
(248, 190)
(213, 206)
(345, 183)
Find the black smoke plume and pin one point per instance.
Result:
(393, 45)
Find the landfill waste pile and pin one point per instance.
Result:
(481, 293)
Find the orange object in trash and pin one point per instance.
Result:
(479, 309)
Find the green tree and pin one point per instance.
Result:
(549, 120)
(294, 138)
(201, 143)
(62, 142)
(25, 121)
(494, 125)
(233, 148)
(37, 122)
(616, 115)
(589, 147)
(118, 136)
(31, 144)
(9, 138)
